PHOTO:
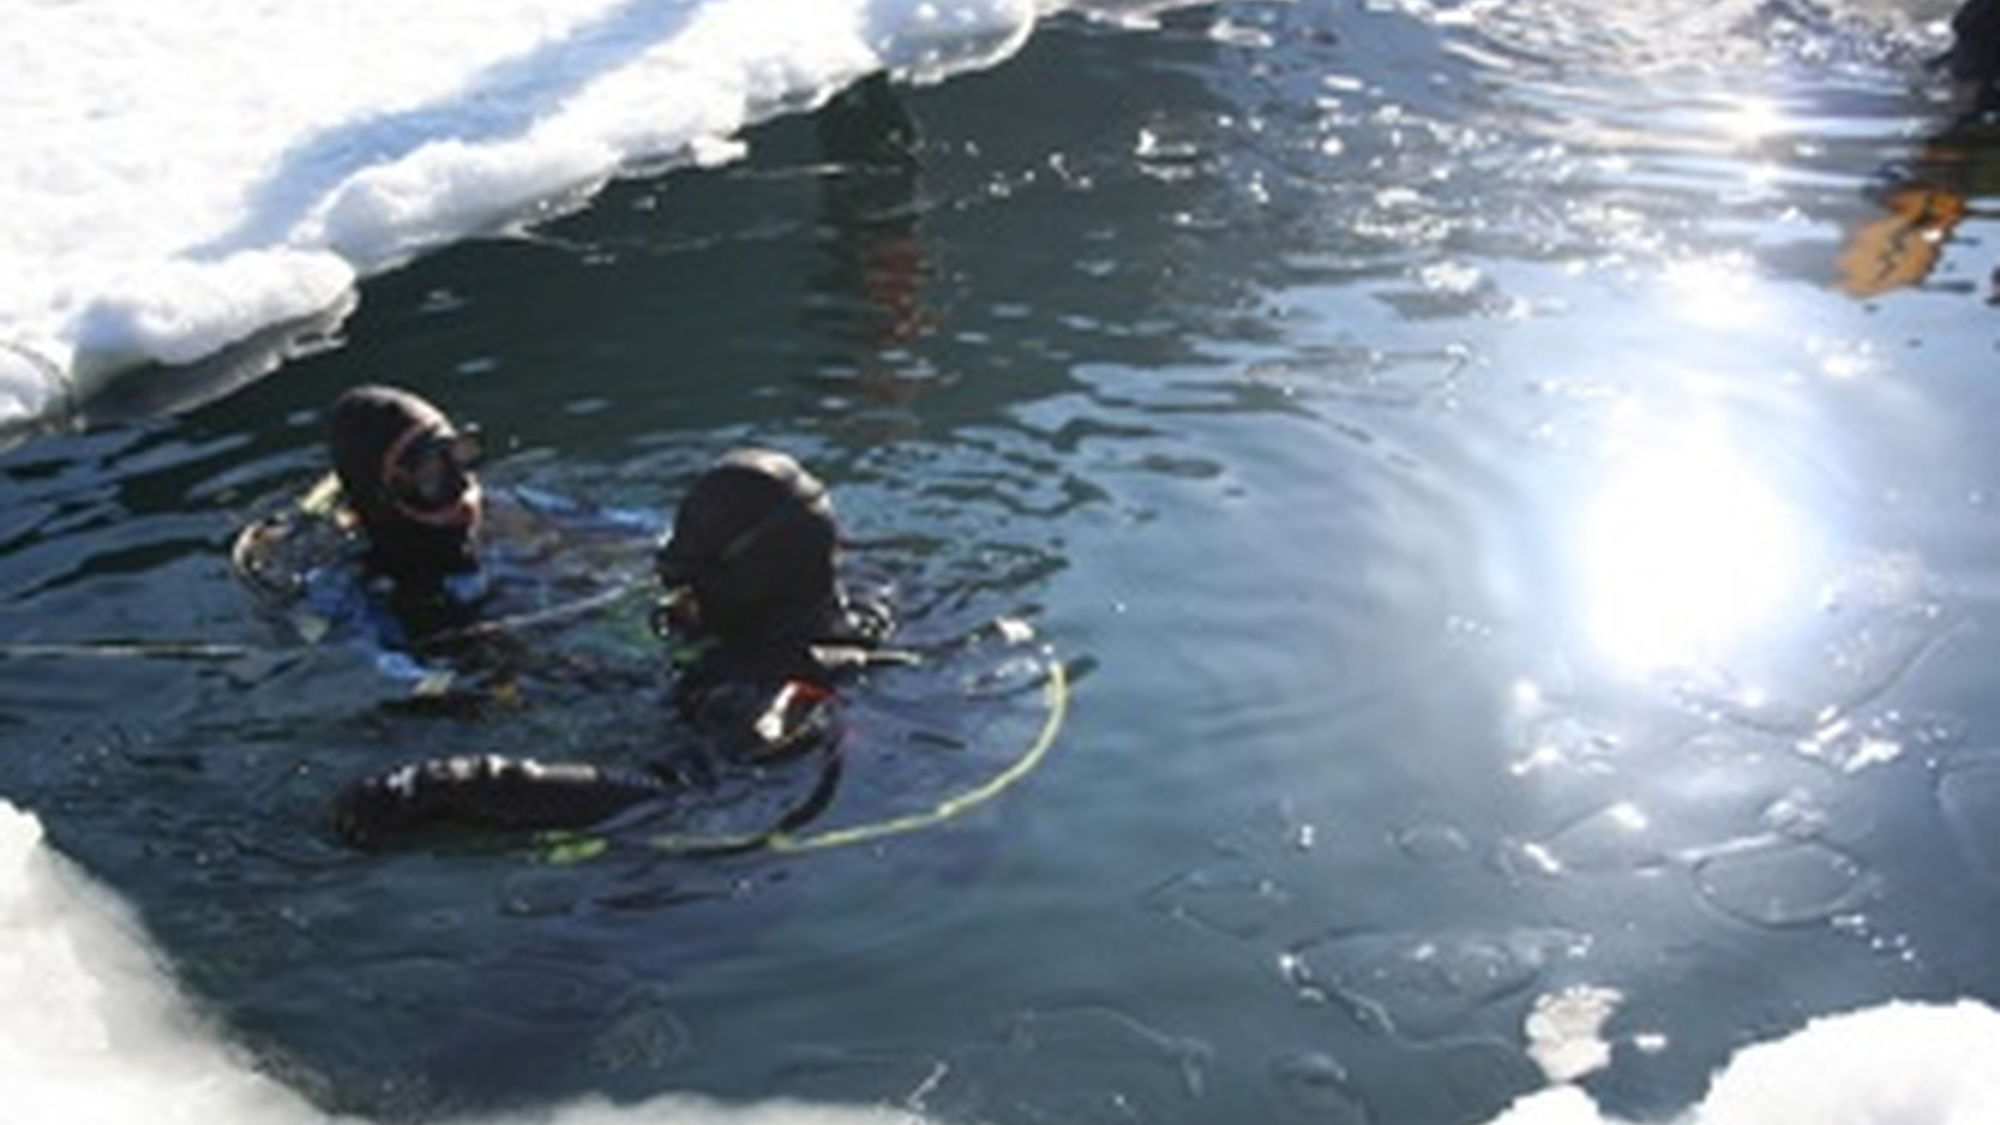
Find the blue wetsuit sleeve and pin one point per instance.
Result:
(486, 791)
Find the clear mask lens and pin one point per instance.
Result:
(434, 471)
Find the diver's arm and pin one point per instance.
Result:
(486, 791)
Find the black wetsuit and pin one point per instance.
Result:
(752, 702)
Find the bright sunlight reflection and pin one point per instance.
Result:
(1718, 292)
(1753, 119)
(1685, 552)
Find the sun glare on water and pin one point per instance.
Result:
(1686, 552)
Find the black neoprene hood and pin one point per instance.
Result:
(755, 539)
(362, 427)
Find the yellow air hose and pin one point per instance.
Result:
(781, 839)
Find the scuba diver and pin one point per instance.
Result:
(768, 634)
(390, 541)
(403, 549)
(405, 472)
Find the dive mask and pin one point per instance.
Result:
(676, 614)
(427, 473)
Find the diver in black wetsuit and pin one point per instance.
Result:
(749, 576)
(402, 551)
(751, 585)
(406, 473)
(395, 547)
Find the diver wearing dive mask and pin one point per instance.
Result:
(406, 475)
(749, 571)
(427, 474)
(388, 544)
(752, 593)
(751, 584)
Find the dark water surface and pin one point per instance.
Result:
(1500, 545)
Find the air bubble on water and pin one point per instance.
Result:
(1617, 837)
(1426, 985)
(1782, 883)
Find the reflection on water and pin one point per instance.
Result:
(1924, 202)
(1718, 293)
(1752, 120)
(1686, 552)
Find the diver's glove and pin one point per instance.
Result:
(486, 791)
(758, 723)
